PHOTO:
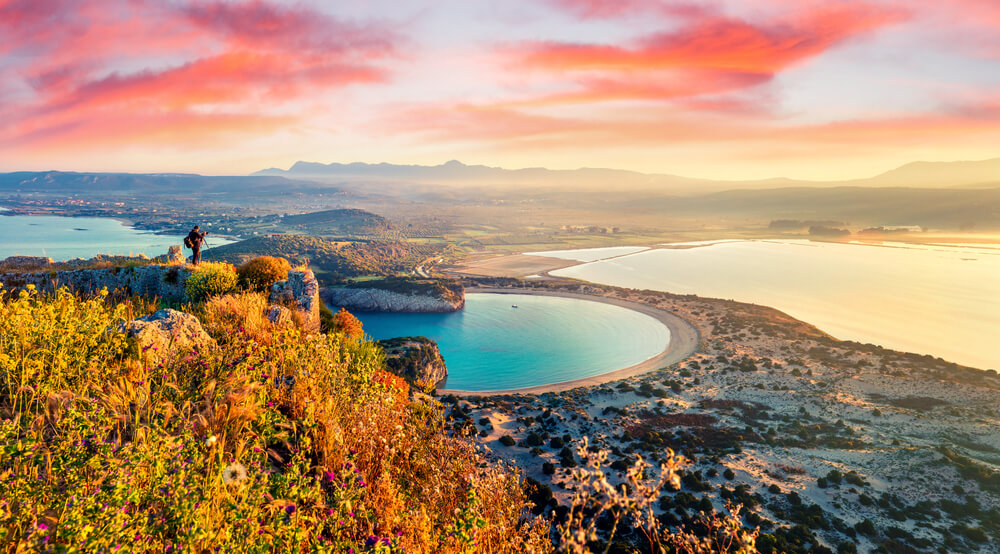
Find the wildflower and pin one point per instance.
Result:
(234, 474)
(290, 509)
(211, 440)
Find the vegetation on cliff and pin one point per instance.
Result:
(448, 290)
(416, 359)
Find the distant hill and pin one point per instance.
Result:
(917, 174)
(177, 184)
(346, 221)
(950, 208)
(978, 174)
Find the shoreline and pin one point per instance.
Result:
(684, 341)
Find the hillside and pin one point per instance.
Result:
(344, 221)
(331, 260)
(983, 173)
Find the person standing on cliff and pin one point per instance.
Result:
(193, 241)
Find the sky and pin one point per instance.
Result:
(725, 89)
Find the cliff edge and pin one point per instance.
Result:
(397, 295)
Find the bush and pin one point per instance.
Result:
(236, 316)
(210, 279)
(729, 474)
(865, 527)
(345, 322)
(507, 440)
(260, 273)
(548, 468)
(327, 323)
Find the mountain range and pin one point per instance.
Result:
(967, 174)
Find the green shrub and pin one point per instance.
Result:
(327, 322)
(210, 279)
(507, 440)
(260, 273)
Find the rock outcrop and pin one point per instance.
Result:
(165, 282)
(299, 292)
(174, 255)
(278, 315)
(416, 359)
(27, 261)
(166, 331)
(381, 300)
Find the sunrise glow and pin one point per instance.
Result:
(815, 89)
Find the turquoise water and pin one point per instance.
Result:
(942, 300)
(491, 346)
(64, 238)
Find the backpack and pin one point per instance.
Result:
(188, 243)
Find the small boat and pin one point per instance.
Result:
(513, 305)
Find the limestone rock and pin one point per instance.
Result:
(27, 261)
(279, 315)
(416, 359)
(370, 299)
(167, 331)
(301, 292)
(174, 255)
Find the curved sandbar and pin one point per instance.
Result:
(684, 340)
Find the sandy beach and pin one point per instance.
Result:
(684, 340)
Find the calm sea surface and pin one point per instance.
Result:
(63, 238)
(489, 345)
(938, 300)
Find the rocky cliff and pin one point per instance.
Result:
(301, 293)
(416, 359)
(397, 296)
(165, 282)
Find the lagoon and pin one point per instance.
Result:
(63, 238)
(937, 300)
(489, 345)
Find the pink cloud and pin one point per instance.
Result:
(719, 42)
(177, 64)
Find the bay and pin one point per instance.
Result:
(489, 345)
(63, 238)
(937, 300)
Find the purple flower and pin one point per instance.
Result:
(290, 509)
(43, 527)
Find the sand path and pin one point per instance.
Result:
(684, 341)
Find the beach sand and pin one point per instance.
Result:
(515, 265)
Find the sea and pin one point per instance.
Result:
(491, 345)
(64, 238)
(941, 300)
